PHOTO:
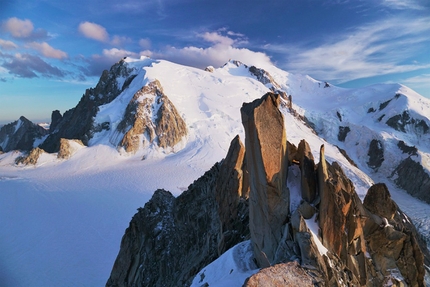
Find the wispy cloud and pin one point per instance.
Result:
(47, 50)
(379, 48)
(7, 45)
(404, 4)
(30, 66)
(421, 81)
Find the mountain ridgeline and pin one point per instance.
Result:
(303, 217)
(248, 196)
(382, 129)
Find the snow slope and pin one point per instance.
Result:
(61, 221)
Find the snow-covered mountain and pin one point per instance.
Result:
(65, 218)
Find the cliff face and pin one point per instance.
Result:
(266, 156)
(334, 238)
(77, 123)
(171, 239)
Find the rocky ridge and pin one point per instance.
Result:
(334, 238)
(78, 122)
(20, 135)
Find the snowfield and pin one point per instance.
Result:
(61, 221)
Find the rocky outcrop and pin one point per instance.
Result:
(171, 239)
(289, 274)
(31, 158)
(405, 121)
(77, 123)
(68, 148)
(376, 154)
(411, 176)
(231, 195)
(56, 118)
(343, 132)
(265, 78)
(20, 135)
(150, 117)
(267, 163)
(391, 241)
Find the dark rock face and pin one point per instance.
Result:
(77, 123)
(343, 132)
(56, 118)
(138, 124)
(402, 121)
(411, 150)
(411, 176)
(171, 239)
(20, 135)
(376, 154)
(267, 161)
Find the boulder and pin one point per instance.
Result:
(289, 274)
(267, 163)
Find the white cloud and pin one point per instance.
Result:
(216, 38)
(216, 55)
(18, 28)
(7, 45)
(222, 49)
(117, 54)
(48, 51)
(94, 31)
(376, 49)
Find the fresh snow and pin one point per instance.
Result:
(230, 269)
(62, 220)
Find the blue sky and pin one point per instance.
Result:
(51, 51)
